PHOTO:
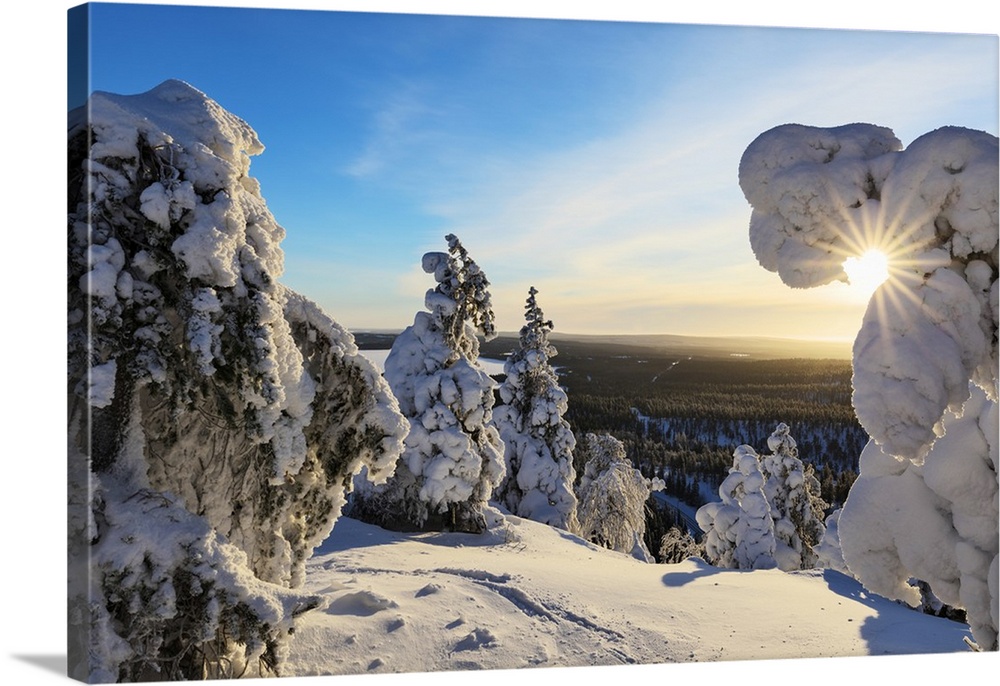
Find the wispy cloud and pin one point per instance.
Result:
(399, 126)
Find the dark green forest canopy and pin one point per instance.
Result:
(681, 381)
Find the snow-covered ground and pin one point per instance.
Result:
(528, 595)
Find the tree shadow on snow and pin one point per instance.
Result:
(678, 579)
(455, 539)
(573, 538)
(929, 634)
(843, 585)
(350, 533)
(924, 634)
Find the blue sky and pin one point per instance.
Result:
(595, 160)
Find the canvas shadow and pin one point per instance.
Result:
(50, 663)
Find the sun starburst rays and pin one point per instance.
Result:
(867, 271)
(875, 250)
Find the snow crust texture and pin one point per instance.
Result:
(251, 409)
(529, 595)
(925, 358)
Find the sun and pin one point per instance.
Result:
(866, 272)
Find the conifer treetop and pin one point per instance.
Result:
(462, 295)
(534, 335)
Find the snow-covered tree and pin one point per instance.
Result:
(216, 419)
(739, 531)
(792, 492)
(538, 442)
(934, 522)
(828, 552)
(612, 497)
(677, 545)
(925, 359)
(453, 455)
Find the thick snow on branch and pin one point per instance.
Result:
(925, 359)
(820, 196)
(935, 521)
(173, 580)
(919, 346)
(807, 187)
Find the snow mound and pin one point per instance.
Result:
(362, 603)
(477, 639)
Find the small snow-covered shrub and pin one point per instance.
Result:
(677, 545)
(739, 530)
(612, 497)
(828, 552)
(792, 492)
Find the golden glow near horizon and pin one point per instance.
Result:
(866, 272)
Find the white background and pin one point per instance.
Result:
(33, 97)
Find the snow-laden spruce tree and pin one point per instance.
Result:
(612, 497)
(739, 530)
(925, 360)
(538, 442)
(792, 492)
(453, 455)
(216, 418)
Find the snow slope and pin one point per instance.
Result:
(527, 595)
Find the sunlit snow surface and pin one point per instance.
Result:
(530, 595)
